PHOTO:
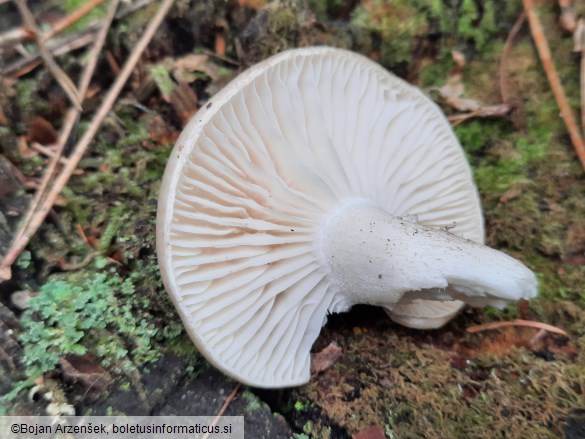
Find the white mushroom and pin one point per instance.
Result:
(314, 181)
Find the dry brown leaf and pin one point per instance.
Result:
(41, 131)
(159, 130)
(85, 370)
(323, 360)
(185, 69)
(184, 101)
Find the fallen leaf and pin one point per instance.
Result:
(452, 91)
(323, 360)
(159, 130)
(41, 131)
(85, 370)
(185, 69)
(452, 94)
(184, 101)
(539, 342)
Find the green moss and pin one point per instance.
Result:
(162, 79)
(423, 395)
(253, 403)
(115, 217)
(85, 314)
(501, 156)
(397, 25)
(398, 28)
(436, 71)
(477, 23)
(325, 8)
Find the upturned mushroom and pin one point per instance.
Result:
(314, 181)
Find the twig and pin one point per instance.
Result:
(59, 75)
(48, 152)
(567, 20)
(113, 63)
(527, 323)
(499, 110)
(579, 39)
(221, 57)
(70, 120)
(79, 149)
(225, 405)
(3, 119)
(82, 234)
(56, 47)
(69, 43)
(75, 16)
(504, 85)
(24, 34)
(553, 79)
(17, 35)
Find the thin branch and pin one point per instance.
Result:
(221, 57)
(57, 47)
(225, 405)
(553, 79)
(567, 20)
(579, 41)
(16, 35)
(499, 110)
(48, 152)
(59, 75)
(504, 85)
(81, 146)
(3, 119)
(20, 34)
(74, 17)
(526, 323)
(69, 43)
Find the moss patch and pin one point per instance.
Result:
(429, 387)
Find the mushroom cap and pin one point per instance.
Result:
(250, 182)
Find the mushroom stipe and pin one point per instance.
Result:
(317, 180)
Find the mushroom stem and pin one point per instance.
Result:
(380, 259)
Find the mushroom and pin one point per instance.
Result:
(314, 181)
